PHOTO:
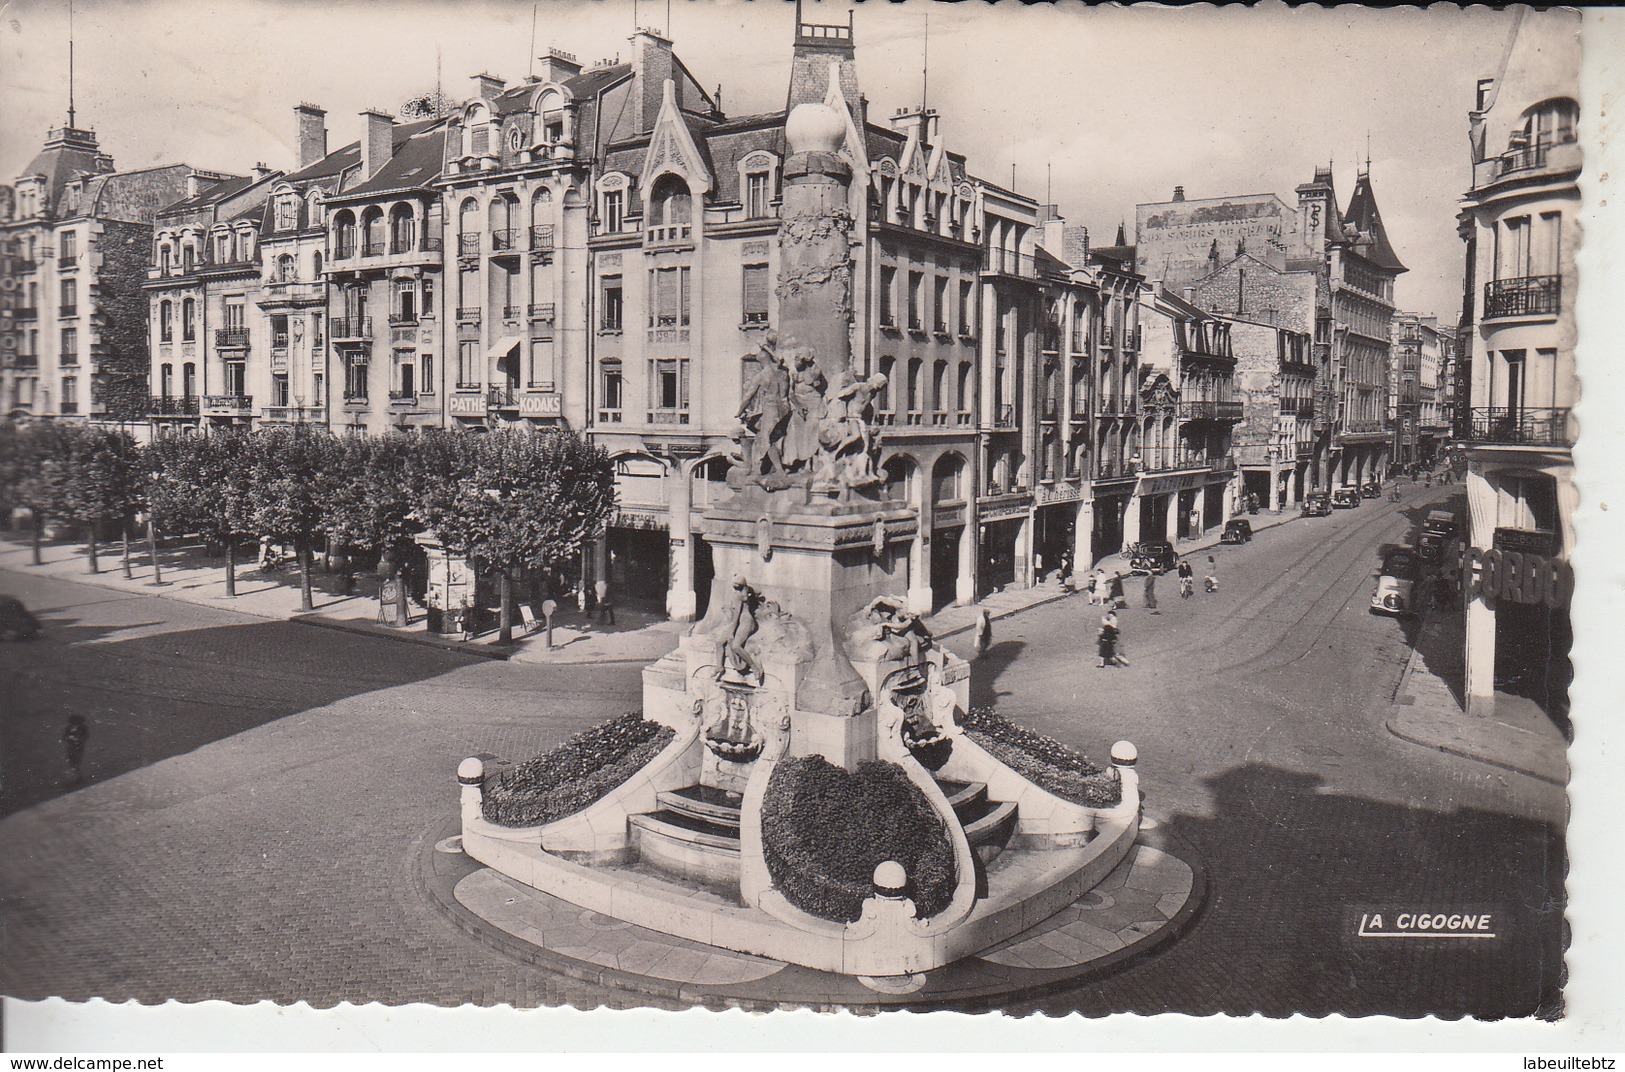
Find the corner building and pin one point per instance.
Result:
(1520, 224)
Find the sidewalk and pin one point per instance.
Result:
(1427, 710)
(639, 637)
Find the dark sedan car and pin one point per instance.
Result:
(15, 621)
(1157, 557)
(1346, 498)
(1371, 490)
(1317, 504)
(1237, 530)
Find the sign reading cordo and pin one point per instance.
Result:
(1518, 577)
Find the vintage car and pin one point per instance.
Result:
(1438, 529)
(1154, 557)
(1237, 530)
(15, 621)
(1317, 504)
(1396, 583)
(1346, 498)
(1371, 489)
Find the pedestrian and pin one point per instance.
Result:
(74, 736)
(1187, 580)
(1108, 642)
(1114, 592)
(1097, 586)
(1211, 581)
(1065, 575)
(984, 631)
(1151, 593)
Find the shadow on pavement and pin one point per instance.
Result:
(989, 666)
(1292, 867)
(150, 696)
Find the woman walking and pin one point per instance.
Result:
(1108, 642)
(1151, 593)
(1187, 579)
(1115, 597)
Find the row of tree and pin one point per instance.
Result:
(505, 500)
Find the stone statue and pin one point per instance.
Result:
(734, 656)
(902, 634)
(807, 408)
(764, 410)
(846, 455)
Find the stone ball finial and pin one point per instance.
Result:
(814, 128)
(1124, 754)
(471, 771)
(890, 879)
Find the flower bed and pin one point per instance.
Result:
(1044, 761)
(575, 774)
(825, 829)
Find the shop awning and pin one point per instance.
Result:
(503, 346)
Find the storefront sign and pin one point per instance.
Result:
(1519, 577)
(1167, 485)
(639, 519)
(1059, 493)
(1002, 511)
(539, 405)
(947, 517)
(466, 405)
(1528, 541)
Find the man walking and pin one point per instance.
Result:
(1187, 579)
(1115, 597)
(1151, 593)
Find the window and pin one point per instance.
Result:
(318, 385)
(612, 390)
(287, 212)
(70, 297)
(757, 194)
(285, 271)
(189, 379)
(236, 378)
(426, 368)
(70, 346)
(402, 232)
(614, 210)
(279, 331)
(233, 312)
(612, 306)
(279, 389)
(373, 225)
(940, 312)
(967, 308)
(939, 393)
(916, 403)
(916, 301)
(70, 394)
(888, 296)
(541, 363)
(69, 253)
(757, 289)
(406, 302)
(468, 358)
(222, 249)
(355, 381)
(671, 205)
(166, 380)
(669, 297)
(964, 393)
(668, 389)
(1550, 122)
(317, 340)
(166, 321)
(344, 236)
(405, 375)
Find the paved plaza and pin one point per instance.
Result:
(259, 797)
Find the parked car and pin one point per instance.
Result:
(1438, 529)
(1237, 530)
(1371, 489)
(15, 621)
(1396, 583)
(1346, 498)
(1155, 557)
(1317, 504)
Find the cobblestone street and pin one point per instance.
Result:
(259, 795)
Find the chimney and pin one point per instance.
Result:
(1190, 295)
(652, 66)
(1179, 193)
(488, 86)
(312, 133)
(556, 66)
(377, 141)
(816, 48)
(261, 171)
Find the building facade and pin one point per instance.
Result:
(76, 238)
(1520, 223)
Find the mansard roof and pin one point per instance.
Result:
(1363, 215)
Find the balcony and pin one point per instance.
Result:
(505, 240)
(402, 320)
(668, 416)
(541, 239)
(1298, 407)
(1204, 410)
(666, 234)
(68, 260)
(293, 414)
(375, 249)
(1164, 459)
(24, 312)
(501, 397)
(468, 244)
(469, 314)
(1543, 427)
(228, 405)
(1530, 295)
(343, 251)
(350, 327)
(173, 406)
(231, 338)
(542, 311)
(1004, 416)
(510, 312)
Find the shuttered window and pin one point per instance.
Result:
(756, 293)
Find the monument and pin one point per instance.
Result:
(821, 769)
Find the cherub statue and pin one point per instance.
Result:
(735, 657)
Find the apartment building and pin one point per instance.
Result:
(1520, 224)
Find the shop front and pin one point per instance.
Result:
(1110, 508)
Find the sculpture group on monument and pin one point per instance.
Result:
(816, 759)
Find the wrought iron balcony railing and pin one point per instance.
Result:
(173, 406)
(351, 327)
(1539, 427)
(504, 240)
(1203, 410)
(1530, 295)
(231, 338)
(468, 243)
(541, 238)
(231, 402)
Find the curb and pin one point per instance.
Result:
(484, 651)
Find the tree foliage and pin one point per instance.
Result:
(200, 484)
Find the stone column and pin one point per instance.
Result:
(1131, 520)
(919, 568)
(1176, 511)
(680, 602)
(1480, 655)
(1275, 483)
(815, 261)
(1026, 574)
(970, 540)
(1083, 531)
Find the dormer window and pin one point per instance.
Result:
(287, 212)
(671, 206)
(614, 210)
(758, 194)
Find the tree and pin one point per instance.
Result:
(428, 105)
(293, 476)
(202, 484)
(375, 501)
(23, 470)
(519, 500)
(91, 476)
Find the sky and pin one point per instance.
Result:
(1098, 109)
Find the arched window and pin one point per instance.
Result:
(373, 226)
(501, 219)
(468, 227)
(316, 265)
(541, 219)
(1551, 122)
(402, 233)
(285, 272)
(670, 209)
(900, 472)
(344, 235)
(947, 479)
(222, 249)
